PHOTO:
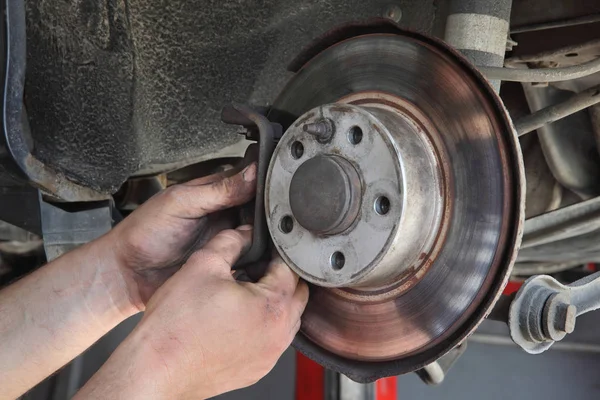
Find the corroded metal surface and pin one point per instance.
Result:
(372, 334)
(396, 167)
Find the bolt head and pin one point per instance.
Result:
(322, 130)
(394, 13)
(570, 316)
(565, 318)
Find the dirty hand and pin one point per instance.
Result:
(205, 333)
(151, 244)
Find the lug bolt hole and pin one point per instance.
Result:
(337, 261)
(286, 225)
(382, 205)
(355, 135)
(297, 150)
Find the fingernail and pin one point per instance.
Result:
(245, 228)
(249, 173)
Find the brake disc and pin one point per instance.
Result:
(397, 193)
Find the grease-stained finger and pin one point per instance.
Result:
(198, 200)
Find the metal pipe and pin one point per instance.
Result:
(541, 74)
(579, 48)
(588, 19)
(555, 112)
(566, 143)
(537, 268)
(492, 339)
(350, 390)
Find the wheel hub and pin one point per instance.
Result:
(359, 209)
(396, 192)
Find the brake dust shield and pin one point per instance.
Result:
(420, 274)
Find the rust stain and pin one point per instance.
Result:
(375, 127)
(341, 108)
(406, 273)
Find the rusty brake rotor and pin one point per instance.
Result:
(397, 192)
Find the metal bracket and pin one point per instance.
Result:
(434, 374)
(259, 128)
(544, 310)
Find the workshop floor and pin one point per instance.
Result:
(490, 371)
(493, 372)
(485, 371)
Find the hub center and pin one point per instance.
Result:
(325, 194)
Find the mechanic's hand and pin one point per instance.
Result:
(205, 333)
(152, 243)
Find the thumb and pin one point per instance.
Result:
(223, 251)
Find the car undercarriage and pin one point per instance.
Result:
(413, 157)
